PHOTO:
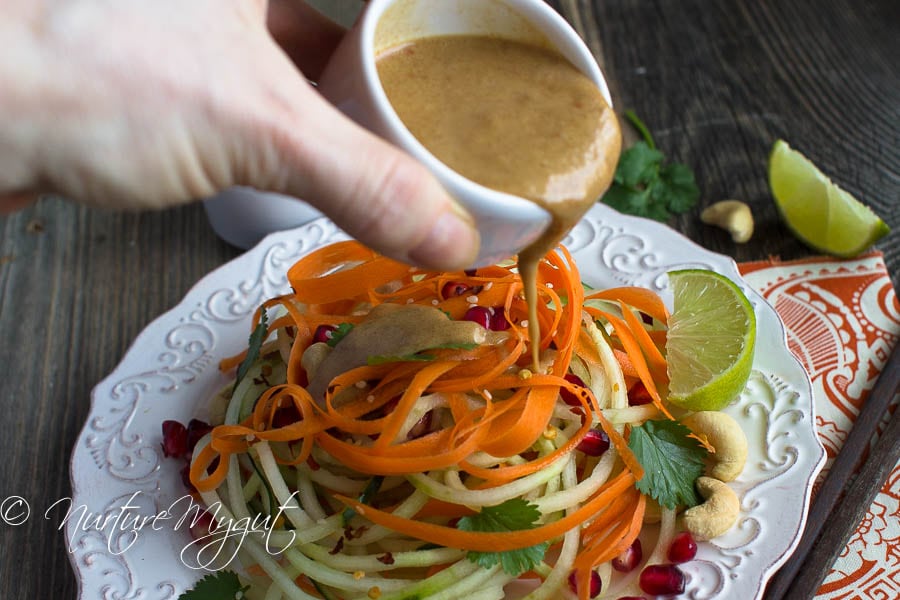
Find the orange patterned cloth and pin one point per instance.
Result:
(842, 319)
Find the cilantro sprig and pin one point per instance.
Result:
(513, 515)
(672, 462)
(223, 585)
(646, 185)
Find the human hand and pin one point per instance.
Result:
(151, 104)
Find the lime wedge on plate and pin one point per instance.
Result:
(709, 346)
(819, 212)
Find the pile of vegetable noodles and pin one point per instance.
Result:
(445, 471)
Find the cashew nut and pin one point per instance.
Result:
(715, 516)
(732, 215)
(726, 436)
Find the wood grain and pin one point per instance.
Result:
(716, 81)
(78, 285)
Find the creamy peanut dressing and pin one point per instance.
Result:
(388, 330)
(511, 116)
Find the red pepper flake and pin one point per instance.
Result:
(337, 547)
(386, 558)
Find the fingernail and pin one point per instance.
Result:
(452, 243)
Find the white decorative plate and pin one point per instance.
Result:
(120, 478)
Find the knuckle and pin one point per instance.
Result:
(393, 200)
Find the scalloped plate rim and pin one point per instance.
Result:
(599, 213)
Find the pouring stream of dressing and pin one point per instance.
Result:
(513, 117)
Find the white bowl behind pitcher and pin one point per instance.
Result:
(243, 216)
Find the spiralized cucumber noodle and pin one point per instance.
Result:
(371, 473)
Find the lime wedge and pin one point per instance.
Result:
(709, 346)
(819, 212)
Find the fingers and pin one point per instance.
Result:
(375, 192)
(307, 36)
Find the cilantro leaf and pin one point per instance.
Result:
(223, 585)
(339, 333)
(679, 190)
(638, 165)
(513, 562)
(257, 337)
(513, 515)
(645, 185)
(672, 462)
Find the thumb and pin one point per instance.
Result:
(376, 193)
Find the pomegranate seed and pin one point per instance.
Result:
(480, 315)
(638, 395)
(196, 429)
(421, 427)
(323, 333)
(596, 583)
(567, 396)
(595, 443)
(452, 289)
(662, 580)
(683, 548)
(175, 439)
(498, 320)
(631, 558)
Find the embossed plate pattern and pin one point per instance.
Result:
(119, 473)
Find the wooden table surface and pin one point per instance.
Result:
(717, 82)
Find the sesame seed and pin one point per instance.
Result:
(473, 299)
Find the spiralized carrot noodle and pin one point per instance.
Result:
(386, 453)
